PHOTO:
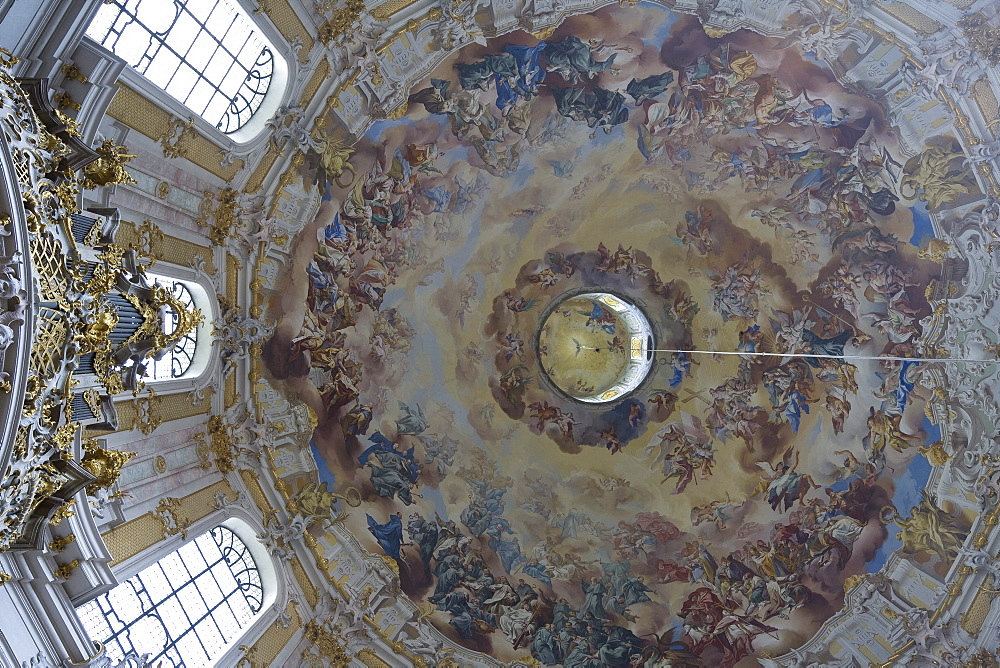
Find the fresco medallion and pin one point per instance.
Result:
(595, 347)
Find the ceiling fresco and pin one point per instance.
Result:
(748, 203)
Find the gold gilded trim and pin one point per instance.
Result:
(270, 643)
(129, 539)
(974, 617)
(986, 99)
(921, 24)
(260, 172)
(232, 277)
(140, 113)
(370, 658)
(869, 26)
(287, 21)
(315, 81)
(388, 9)
(984, 38)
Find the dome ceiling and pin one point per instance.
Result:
(749, 203)
(593, 347)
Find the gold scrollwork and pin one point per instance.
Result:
(73, 72)
(147, 413)
(66, 100)
(223, 445)
(93, 399)
(224, 218)
(66, 570)
(94, 336)
(983, 37)
(109, 168)
(72, 126)
(935, 453)
(326, 643)
(64, 511)
(59, 544)
(174, 140)
(152, 312)
(7, 59)
(342, 22)
(168, 512)
(935, 251)
(105, 465)
(63, 438)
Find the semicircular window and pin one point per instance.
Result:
(187, 609)
(206, 55)
(178, 359)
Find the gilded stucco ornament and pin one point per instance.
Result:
(225, 216)
(316, 502)
(66, 100)
(327, 644)
(457, 24)
(109, 169)
(148, 417)
(59, 544)
(237, 440)
(64, 512)
(342, 21)
(66, 570)
(168, 511)
(104, 464)
(983, 37)
(41, 474)
(334, 155)
(174, 140)
(72, 71)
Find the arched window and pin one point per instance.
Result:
(187, 609)
(207, 54)
(178, 359)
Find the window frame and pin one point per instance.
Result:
(254, 132)
(246, 526)
(244, 595)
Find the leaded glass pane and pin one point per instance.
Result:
(183, 610)
(207, 55)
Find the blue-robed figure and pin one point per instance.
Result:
(530, 74)
(748, 341)
(388, 535)
(902, 392)
(336, 232)
(382, 445)
(397, 471)
(820, 113)
(509, 552)
(598, 316)
(682, 368)
(833, 346)
(797, 404)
